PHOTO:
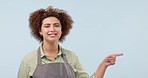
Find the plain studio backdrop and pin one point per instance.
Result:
(101, 27)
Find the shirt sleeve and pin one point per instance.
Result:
(80, 73)
(22, 72)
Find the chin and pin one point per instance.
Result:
(52, 40)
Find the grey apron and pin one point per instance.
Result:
(53, 70)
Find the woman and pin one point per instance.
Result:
(50, 60)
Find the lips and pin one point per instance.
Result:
(52, 34)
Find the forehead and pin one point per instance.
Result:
(51, 20)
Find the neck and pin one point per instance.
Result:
(50, 48)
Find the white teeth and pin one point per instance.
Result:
(52, 34)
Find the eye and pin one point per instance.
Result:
(57, 25)
(46, 26)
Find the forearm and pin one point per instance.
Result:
(109, 60)
(100, 71)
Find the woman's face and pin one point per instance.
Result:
(51, 29)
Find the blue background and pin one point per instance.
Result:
(101, 27)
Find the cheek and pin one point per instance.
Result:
(42, 32)
(60, 33)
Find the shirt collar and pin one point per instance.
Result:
(43, 53)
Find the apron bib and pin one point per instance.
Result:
(53, 70)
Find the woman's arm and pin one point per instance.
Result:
(109, 60)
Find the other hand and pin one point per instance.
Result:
(111, 59)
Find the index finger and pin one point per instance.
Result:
(118, 54)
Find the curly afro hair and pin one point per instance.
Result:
(36, 18)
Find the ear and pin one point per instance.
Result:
(41, 33)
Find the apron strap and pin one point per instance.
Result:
(67, 66)
(39, 56)
(64, 56)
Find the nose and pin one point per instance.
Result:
(52, 28)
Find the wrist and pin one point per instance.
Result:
(103, 64)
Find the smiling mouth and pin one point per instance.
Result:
(54, 34)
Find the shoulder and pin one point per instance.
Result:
(30, 57)
(70, 54)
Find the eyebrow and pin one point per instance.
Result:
(54, 24)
